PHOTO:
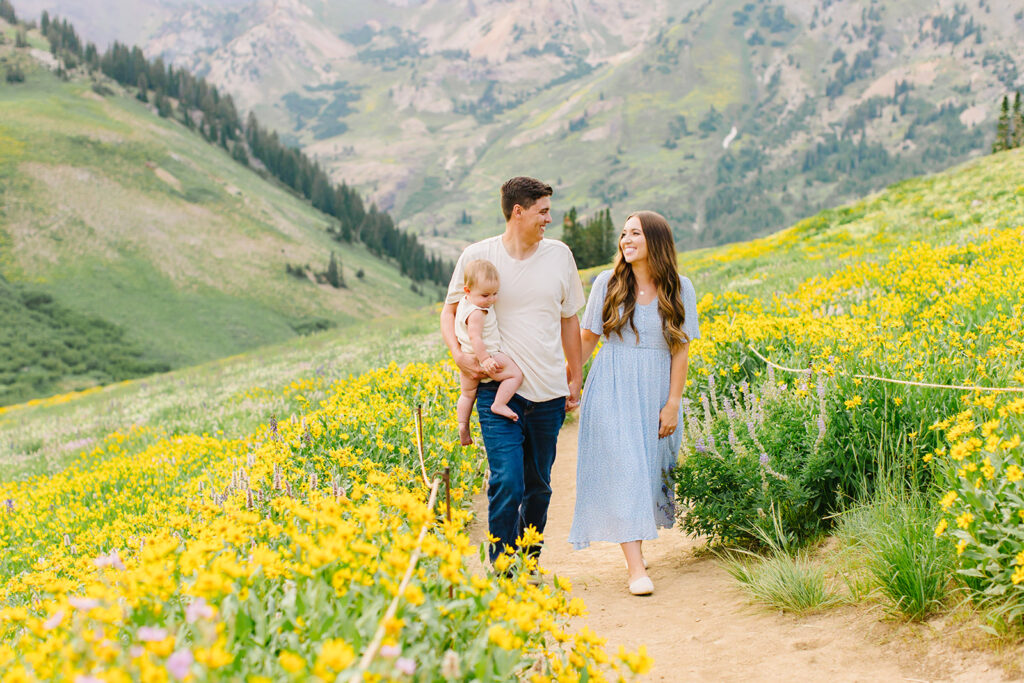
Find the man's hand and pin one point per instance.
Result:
(572, 401)
(468, 364)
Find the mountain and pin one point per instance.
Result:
(125, 230)
(733, 117)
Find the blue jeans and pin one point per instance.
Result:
(520, 455)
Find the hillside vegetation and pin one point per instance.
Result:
(138, 234)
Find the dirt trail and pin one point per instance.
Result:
(698, 626)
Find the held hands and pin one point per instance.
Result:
(572, 401)
(668, 419)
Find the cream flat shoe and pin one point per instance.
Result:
(642, 586)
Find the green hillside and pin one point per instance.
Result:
(131, 221)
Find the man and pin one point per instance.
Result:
(539, 296)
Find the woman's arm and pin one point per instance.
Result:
(589, 342)
(669, 416)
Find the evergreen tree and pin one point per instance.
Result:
(44, 22)
(239, 154)
(143, 89)
(7, 12)
(334, 274)
(20, 39)
(1003, 132)
(1018, 122)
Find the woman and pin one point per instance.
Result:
(628, 440)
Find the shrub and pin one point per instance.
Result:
(14, 74)
(752, 451)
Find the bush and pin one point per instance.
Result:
(755, 451)
(14, 74)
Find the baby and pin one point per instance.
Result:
(476, 328)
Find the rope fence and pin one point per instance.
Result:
(928, 385)
(371, 651)
(378, 637)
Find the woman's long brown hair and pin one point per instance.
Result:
(661, 260)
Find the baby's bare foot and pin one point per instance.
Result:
(504, 411)
(464, 436)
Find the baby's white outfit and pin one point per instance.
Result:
(491, 336)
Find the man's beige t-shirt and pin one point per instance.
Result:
(534, 295)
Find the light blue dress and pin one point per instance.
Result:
(621, 491)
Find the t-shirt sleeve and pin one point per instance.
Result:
(572, 296)
(593, 317)
(691, 326)
(455, 291)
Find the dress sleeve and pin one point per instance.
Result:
(691, 325)
(592, 316)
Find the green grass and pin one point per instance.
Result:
(904, 562)
(785, 578)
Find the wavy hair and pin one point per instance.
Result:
(620, 299)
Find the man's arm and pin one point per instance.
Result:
(466, 362)
(573, 350)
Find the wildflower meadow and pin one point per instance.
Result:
(278, 555)
(870, 347)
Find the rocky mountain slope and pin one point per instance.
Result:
(731, 117)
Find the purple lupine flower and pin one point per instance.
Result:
(390, 651)
(151, 634)
(198, 609)
(821, 426)
(763, 459)
(179, 663)
(699, 445)
(10, 505)
(821, 386)
(733, 441)
(729, 411)
(771, 375)
(406, 666)
(750, 430)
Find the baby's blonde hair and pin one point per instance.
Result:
(479, 271)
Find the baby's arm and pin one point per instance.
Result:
(475, 326)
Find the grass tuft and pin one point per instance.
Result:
(786, 578)
(911, 568)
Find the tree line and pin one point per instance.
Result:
(1010, 126)
(202, 107)
(593, 242)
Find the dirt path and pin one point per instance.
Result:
(698, 626)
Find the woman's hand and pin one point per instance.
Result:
(668, 419)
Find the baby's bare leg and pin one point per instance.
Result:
(464, 408)
(511, 377)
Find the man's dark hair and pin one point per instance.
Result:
(523, 191)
